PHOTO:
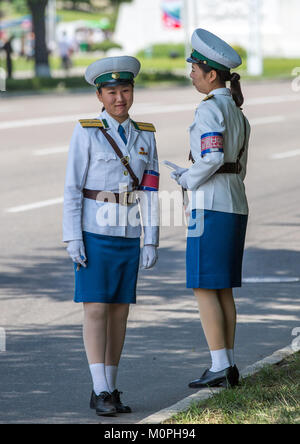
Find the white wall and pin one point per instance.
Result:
(140, 24)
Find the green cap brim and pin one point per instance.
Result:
(114, 77)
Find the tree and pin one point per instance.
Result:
(37, 9)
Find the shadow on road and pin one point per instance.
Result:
(44, 375)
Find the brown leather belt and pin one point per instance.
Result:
(226, 168)
(230, 168)
(126, 198)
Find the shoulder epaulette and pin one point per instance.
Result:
(144, 126)
(92, 123)
(208, 97)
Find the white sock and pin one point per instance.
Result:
(219, 359)
(230, 353)
(99, 378)
(111, 376)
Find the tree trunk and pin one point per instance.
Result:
(37, 8)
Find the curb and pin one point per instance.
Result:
(201, 395)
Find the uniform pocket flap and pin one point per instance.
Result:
(104, 155)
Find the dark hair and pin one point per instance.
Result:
(227, 76)
(124, 83)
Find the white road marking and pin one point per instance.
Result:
(34, 206)
(43, 121)
(2, 340)
(267, 120)
(141, 109)
(270, 279)
(272, 99)
(285, 155)
(54, 150)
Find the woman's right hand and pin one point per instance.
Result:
(76, 251)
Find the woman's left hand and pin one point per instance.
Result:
(180, 178)
(149, 256)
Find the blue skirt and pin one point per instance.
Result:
(215, 247)
(112, 270)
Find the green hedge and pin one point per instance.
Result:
(40, 84)
(163, 51)
(66, 83)
(104, 46)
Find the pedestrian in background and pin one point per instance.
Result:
(219, 139)
(7, 47)
(112, 161)
(66, 49)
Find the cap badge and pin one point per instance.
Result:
(115, 75)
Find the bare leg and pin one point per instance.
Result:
(94, 336)
(116, 330)
(94, 331)
(228, 307)
(212, 317)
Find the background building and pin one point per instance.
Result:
(143, 23)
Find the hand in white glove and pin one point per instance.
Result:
(77, 252)
(149, 256)
(180, 179)
(178, 171)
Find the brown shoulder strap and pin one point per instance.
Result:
(245, 140)
(121, 157)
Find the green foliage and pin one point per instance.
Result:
(105, 46)
(43, 84)
(68, 83)
(164, 50)
(241, 51)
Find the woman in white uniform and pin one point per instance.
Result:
(111, 183)
(219, 139)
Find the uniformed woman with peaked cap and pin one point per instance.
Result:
(216, 234)
(111, 186)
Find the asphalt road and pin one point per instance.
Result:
(44, 376)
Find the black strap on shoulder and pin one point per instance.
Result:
(121, 157)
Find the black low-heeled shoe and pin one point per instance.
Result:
(120, 407)
(225, 378)
(102, 403)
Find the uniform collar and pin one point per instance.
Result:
(114, 124)
(221, 91)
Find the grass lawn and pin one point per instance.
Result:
(272, 396)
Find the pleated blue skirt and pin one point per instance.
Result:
(215, 247)
(112, 270)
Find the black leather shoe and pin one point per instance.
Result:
(226, 378)
(102, 403)
(120, 407)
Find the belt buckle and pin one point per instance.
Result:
(125, 161)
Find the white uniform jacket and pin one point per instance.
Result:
(94, 165)
(217, 136)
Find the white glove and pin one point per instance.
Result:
(182, 180)
(77, 252)
(149, 256)
(178, 171)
